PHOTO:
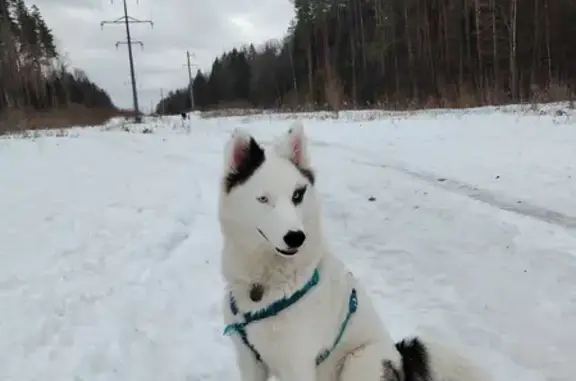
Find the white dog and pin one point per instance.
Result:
(292, 309)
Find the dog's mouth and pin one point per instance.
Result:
(288, 252)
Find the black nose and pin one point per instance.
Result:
(294, 239)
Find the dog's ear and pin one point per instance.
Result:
(243, 157)
(294, 146)
(242, 150)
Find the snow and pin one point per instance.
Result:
(109, 242)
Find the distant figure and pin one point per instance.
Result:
(184, 124)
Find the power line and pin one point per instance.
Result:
(127, 20)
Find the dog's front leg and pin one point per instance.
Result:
(250, 368)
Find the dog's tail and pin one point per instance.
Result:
(425, 359)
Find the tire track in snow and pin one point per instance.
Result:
(500, 201)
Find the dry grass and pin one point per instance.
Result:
(555, 92)
(20, 120)
(452, 96)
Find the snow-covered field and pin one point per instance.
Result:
(461, 221)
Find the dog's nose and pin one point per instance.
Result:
(294, 239)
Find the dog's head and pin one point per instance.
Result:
(268, 196)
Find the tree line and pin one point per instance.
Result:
(33, 74)
(399, 54)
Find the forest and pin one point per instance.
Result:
(34, 78)
(398, 54)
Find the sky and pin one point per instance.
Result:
(204, 27)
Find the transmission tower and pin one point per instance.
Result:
(127, 20)
(189, 65)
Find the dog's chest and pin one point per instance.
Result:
(295, 326)
(293, 330)
(296, 331)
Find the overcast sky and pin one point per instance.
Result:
(205, 27)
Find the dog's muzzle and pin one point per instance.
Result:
(286, 252)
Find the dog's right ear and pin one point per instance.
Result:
(243, 157)
(237, 148)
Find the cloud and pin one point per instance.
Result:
(206, 28)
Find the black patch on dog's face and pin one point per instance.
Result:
(253, 159)
(298, 195)
(307, 173)
(415, 361)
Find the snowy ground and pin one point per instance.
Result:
(109, 243)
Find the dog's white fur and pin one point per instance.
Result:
(290, 341)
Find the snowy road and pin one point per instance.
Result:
(109, 243)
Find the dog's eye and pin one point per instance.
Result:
(263, 199)
(298, 195)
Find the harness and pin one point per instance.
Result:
(278, 306)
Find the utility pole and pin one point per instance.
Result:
(127, 20)
(190, 79)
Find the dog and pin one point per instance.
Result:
(291, 308)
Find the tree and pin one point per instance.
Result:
(201, 90)
(405, 53)
(33, 77)
(45, 36)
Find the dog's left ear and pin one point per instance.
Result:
(294, 146)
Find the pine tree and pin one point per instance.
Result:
(31, 76)
(45, 36)
(7, 21)
(27, 28)
(201, 90)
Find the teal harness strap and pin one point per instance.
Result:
(273, 309)
(242, 331)
(280, 305)
(352, 307)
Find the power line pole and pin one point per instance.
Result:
(190, 79)
(127, 20)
